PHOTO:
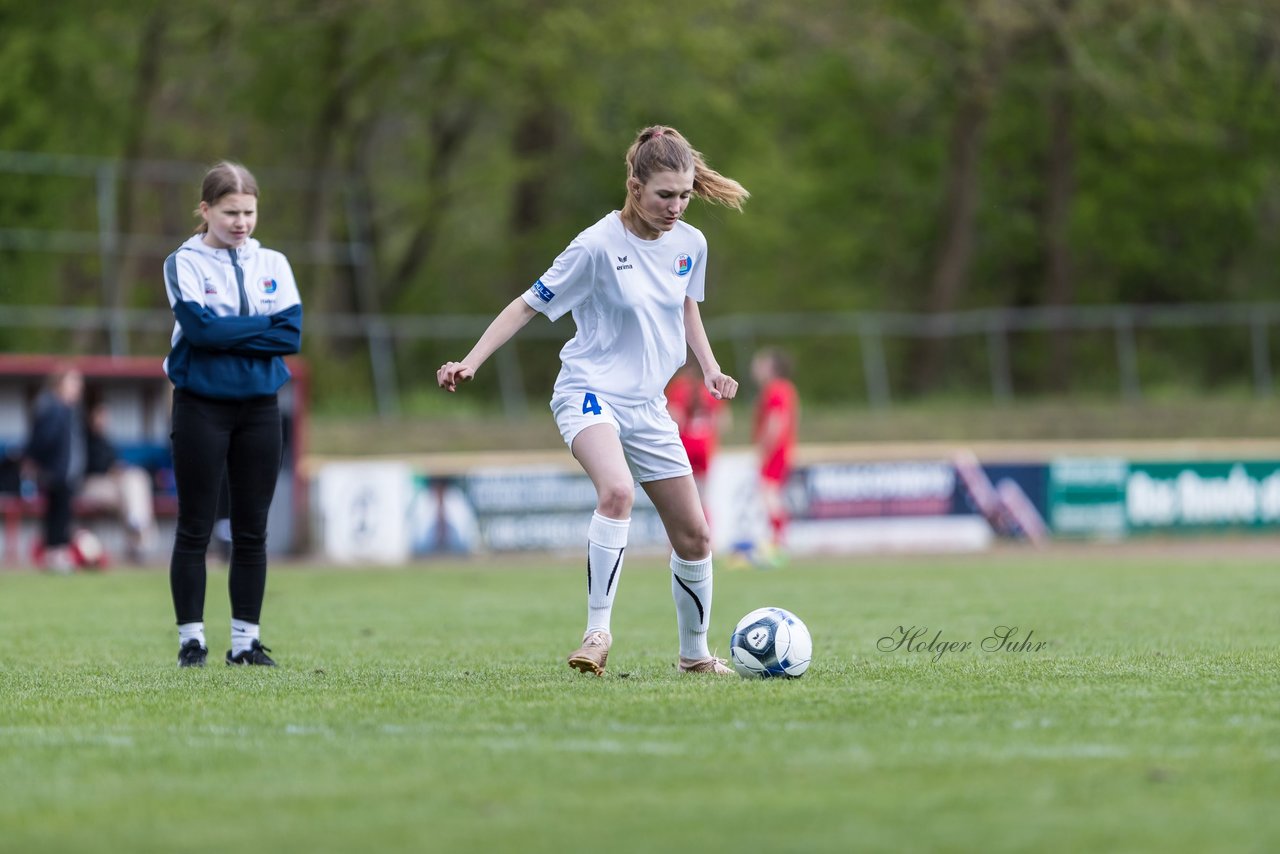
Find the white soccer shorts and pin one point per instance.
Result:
(650, 438)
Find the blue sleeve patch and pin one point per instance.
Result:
(544, 293)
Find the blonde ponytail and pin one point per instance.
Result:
(710, 185)
(664, 149)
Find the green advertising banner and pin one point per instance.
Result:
(1086, 497)
(1107, 497)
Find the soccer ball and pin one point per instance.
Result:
(771, 642)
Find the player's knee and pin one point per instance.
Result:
(615, 500)
(692, 543)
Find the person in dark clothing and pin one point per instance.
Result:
(56, 448)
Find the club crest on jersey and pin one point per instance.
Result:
(268, 286)
(683, 265)
(209, 287)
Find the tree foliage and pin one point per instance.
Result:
(922, 156)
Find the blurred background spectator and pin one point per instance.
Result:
(700, 418)
(777, 418)
(114, 484)
(56, 449)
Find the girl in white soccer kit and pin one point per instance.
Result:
(633, 282)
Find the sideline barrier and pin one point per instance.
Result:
(388, 511)
(1114, 498)
(941, 499)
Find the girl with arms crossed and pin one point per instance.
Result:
(238, 313)
(633, 282)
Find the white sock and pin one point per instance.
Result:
(242, 635)
(191, 631)
(691, 590)
(606, 545)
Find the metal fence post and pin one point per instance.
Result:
(998, 358)
(744, 346)
(1261, 350)
(874, 369)
(382, 356)
(1127, 356)
(383, 365)
(108, 247)
(511, 382)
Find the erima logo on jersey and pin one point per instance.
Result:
(544, 293)
(622, 263)
(683, 265)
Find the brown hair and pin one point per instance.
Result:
(224, 179)
(779, 361)
(59, 374)
(663, 149)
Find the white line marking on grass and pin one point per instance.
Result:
(599, 745)
(1069, 751)
(30, 736)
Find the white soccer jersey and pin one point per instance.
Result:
(627, 298)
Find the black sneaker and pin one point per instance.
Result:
(192, 654)
(255, 654)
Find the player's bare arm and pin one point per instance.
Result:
(510, 321)
(771, 433)
(721, 385)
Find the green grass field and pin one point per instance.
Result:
(429, 709)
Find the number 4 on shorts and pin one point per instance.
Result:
(590, 406)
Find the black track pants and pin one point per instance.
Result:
(243, 439)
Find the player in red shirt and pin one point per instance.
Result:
(699, 417)
(777, 416)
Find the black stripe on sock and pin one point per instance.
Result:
(617, 563)
(696, 600)
(588, 571)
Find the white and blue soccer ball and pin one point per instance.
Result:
(771, 642)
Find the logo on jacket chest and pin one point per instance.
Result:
(209, 286)
(268, 286)
(622, 263)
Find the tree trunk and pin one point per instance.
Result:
(447, 133)
(1060, 181)
(535, 139)
(123, 266)
(951, 271)
(323, 296)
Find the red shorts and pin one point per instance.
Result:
(700, 452)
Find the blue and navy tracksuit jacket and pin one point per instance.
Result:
(238, 313)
